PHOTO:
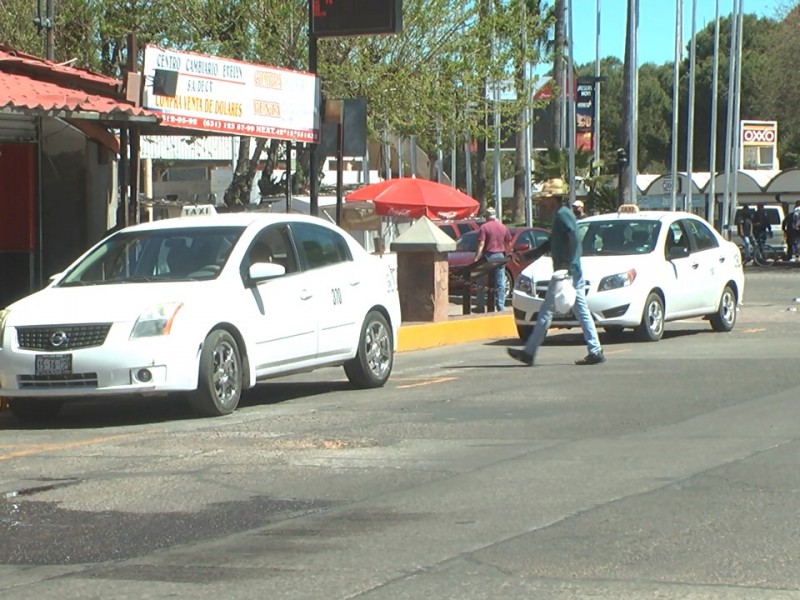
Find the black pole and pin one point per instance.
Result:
(313, 190)
(288, 176)
(622, 162)
(122, 206)
(339, 168)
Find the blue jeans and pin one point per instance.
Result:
(499, 283)
(581, 310)
(748, 247)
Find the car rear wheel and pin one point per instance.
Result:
(219, 385)
(373, 362)
(725, 318)
(652, 326)
(34, 409)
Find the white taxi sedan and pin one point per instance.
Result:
(641, 270)
(206, 306)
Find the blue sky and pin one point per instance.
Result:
(656, 25)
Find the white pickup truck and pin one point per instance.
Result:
(776, 244)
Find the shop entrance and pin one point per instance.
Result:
(17, 221)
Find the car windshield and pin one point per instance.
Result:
(467, 242)
(156, 255)
(618, 237)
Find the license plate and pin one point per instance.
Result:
(54, 364)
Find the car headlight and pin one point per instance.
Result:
(620, 280)
(156, 320)
(3, 317)
(524, 284)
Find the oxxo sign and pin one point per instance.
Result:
(759, 133)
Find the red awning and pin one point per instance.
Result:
(29, 83)
(22, 93)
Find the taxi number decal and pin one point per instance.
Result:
(336, 293)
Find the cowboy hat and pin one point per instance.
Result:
(553, 188)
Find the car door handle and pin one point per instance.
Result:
(355, 282)
(305, 295)
(722, 259)
(695, 265)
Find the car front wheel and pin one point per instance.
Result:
(725, 318)
(373, 362)
(219, 384)
(652, 326)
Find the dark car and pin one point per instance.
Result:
(456, 228)
(522, 239)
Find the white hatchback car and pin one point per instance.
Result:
(642, 269)
(206, 305)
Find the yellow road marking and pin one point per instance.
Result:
(754, 330)
(428, 382)
(620, 351)
(42, 448)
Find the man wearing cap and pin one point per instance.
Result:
(578, 209)
(566, 254)
(494, 242)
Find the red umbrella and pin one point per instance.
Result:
(411, 197)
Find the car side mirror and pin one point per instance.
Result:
(677, 252)
(522, 247)
(262, 271)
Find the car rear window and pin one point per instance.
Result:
(467, 242)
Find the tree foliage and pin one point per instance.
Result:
(433, 79)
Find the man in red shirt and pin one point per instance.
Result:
(494, 242)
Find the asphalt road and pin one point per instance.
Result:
(671, 471)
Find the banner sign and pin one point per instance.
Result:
(584, 115)
(223, 95)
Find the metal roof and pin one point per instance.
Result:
(29, 84)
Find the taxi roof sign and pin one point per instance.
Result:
(627, 208)
(191, 210)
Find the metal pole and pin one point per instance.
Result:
(712, 156)
(596, 120)
(313, 183)
(468, 165)
(400, 167)
(439, 156)
(454, 161)
(50, 36)
(571, 105)
(289, 176)
(676, 82)
(688, 199)
(498, 177)
(365, 165)
(339, 166)
(527, 133)
(412, 154)
(737, 162)
(633, 152)
(726, 202)
(387, 154)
